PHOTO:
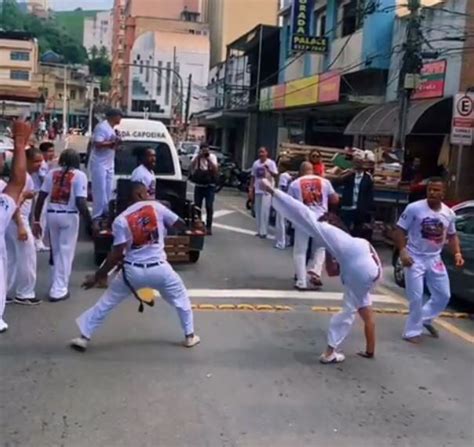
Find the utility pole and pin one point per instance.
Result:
(65, 123)
(411, 66)
(188, 104)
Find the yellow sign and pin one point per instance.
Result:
(301, 92)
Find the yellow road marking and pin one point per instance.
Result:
(444, 324)
(455, 330)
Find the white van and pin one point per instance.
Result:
(136, 135)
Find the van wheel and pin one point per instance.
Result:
(194, 256)
(99, 257)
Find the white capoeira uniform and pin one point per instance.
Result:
(280, 228)
(22, 254)
(38, 179)
(63, 223)
(263, 200)
(7, 209)
(359, 263)
(427, 233)
(143, 175)
(313, 191)
(102, 168)
(141, 228)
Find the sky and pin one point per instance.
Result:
(63, 5)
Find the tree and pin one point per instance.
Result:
(94, 52)
(103, 53)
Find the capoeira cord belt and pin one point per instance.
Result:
(134, 292)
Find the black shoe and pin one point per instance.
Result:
(432, 330)
(62, 298)
(9, 300)
(209, 231)
(28, 301)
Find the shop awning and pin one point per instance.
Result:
(383, 119)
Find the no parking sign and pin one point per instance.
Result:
(463, 119)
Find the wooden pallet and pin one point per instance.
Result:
(177, 248)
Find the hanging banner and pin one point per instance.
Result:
(329, 86)
(302, 92)
(301, 37)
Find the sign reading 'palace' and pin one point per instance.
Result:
(301, 38)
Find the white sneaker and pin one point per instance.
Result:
(335, 357)
(189, 342)
(3, 326)
(79, 344)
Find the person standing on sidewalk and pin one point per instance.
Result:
(317, 194)
(9, 200)
(204, 171)
(423, 229)
(263, 168)
(102, 162)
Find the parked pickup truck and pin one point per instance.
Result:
(136, 135)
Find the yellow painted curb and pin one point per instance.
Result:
(280, 307)
(266, 307)
(207, 307)
(226, 306)
(245, 307)
(320, 309)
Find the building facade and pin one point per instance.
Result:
(164, 64)
(229, 19)
(18, 66)
(179, 24)
(98, 32)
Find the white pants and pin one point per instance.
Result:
(3, 284)
(63, 232)
(162, 278)
(263, 204)
(429, 269)
(316, 260)
(43, 241)
(357, 286)
(102, 184)
(21, 263)
(280, 232)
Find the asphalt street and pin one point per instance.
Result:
(255, 379)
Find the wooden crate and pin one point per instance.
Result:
(177, 248)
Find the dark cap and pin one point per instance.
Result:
(112, 113)
(204, 145)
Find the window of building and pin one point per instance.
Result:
(20, 56)
(141, 67)
(160, 79)
(19, 75)
(351, 15)
(44, 92)
(168, 83)
(72, 95)
(288, 41)
(191, 31)
(147, 74)
(319, 22)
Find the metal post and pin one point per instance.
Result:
(458, 170)
(188, 104)
(410, 66)
(259, 66)
(91, 108)
(65, 123)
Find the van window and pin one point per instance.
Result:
(127, 157)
